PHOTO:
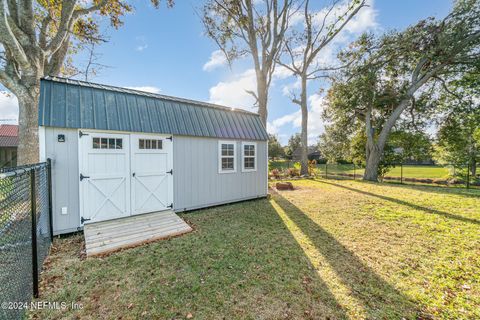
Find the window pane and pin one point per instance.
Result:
(227, 163)
(104, 143)
(111, 143)
(141, 144)
(96, 143)
(227, 149)
(154, 144)
(249, 163)
(249, 150)
(119, 144)
(147, 144)
(159, 144)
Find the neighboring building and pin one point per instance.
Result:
(119, 152)
(8, 145)
(313, 154)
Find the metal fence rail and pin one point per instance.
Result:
(447, 174)
(25, 233)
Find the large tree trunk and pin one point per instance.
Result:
(262, 96)
(304, 134)
(473, 167)
(374, 155)
(28, 151)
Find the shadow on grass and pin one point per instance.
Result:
(405, 203)
(473, 192)
(378, 298)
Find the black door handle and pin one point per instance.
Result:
(83, 177)
(133, 174)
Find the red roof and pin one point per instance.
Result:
(8, 130)
(8, 135)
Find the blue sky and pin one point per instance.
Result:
(166, 51)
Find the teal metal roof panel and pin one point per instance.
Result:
(77, 104)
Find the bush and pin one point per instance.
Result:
(293, 172)
(312, 165)
(275, 173)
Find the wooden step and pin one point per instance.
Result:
(109, 236)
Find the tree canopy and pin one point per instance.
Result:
(390, 81)
(37, 37)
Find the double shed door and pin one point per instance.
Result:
(124, 174)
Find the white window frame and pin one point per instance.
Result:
(254, 144)
(220, 156)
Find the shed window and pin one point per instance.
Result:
(107, 143)
(150, 144)
(249, 156)
(226, 157)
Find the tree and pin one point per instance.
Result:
(413, 146)
(401, 71)
(36, 39)
(275, 149)
(458, 140)
(293, 144)
(335, 144)
(302, 50)
(256, 28)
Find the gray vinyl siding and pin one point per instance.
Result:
(65, 186)
(197, 182)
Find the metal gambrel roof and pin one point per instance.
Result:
(77, 104)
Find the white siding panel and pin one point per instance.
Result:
(65, 193)
(197, 182)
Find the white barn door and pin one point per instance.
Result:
(104, 176)
(152, 173)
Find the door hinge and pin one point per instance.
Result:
(170, 206)
(83, 177)
(83, 220)
(81, 134)
(170, 138)
(171, 172)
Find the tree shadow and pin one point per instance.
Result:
(473, 192)
(379, 299)
(405, 203)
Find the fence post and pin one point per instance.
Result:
(33, 208)
(326, 170)
(401, 173)
(354, 176)
(50, 202)
(468, 174)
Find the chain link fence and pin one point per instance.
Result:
(446, 174)
(25, 234)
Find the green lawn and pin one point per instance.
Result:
(329, 249)
(409, 171)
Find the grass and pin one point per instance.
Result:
(329, 249)
(409, 171)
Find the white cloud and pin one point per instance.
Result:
(233, 93)
(281, 72)
(150, 89)
(217, 59)
(8, 107)
(315, 123)
(141, 47)
(141, 43)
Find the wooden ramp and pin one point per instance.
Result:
(108, 236)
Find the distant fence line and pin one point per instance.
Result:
(446, 174)
(25, 234)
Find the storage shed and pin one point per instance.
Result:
(119, 152)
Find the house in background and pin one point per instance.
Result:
(8, 145)
(121, 153)
(313, 154)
